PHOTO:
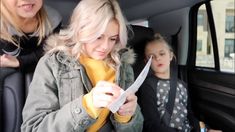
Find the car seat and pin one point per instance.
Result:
(13, 102)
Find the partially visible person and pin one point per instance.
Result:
(24, 26)
(88, 68)
(153, 95)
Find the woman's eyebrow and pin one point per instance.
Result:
(114, 35)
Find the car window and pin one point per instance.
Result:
(223, 15)
(204, 54)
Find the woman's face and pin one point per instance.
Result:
(161, 58)
(23, 8)
(103, 45)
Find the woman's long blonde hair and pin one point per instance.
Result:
(88, 22)
(7, 21)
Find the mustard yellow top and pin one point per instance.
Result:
(98, 70)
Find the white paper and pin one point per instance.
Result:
(115, 105)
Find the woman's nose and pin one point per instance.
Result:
(105, 44)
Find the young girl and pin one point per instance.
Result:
(153, 98)
(24, 26)
(87, 69)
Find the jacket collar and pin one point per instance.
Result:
(127, 56)
(68, 60)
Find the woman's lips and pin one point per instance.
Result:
(27, 7)
(101, 53)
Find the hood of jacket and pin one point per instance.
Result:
(127, 56)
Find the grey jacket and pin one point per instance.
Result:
(54, 102)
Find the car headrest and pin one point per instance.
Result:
(137, 41)
(138, 38)
(64, 7)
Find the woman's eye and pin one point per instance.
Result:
(113, 39)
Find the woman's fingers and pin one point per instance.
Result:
(129, 107)
(105, 93)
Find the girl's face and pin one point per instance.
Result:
(23, 8)
(103, 45)
(162, 57)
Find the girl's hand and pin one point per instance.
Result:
(9, 61)
(105, 93)
(129, 107)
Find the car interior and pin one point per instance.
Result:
(211, 88)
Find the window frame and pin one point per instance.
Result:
(193, 37)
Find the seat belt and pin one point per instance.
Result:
(172, 93)
(173, 82)
(166, 118)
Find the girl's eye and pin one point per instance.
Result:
(162, 54)
(149, 56)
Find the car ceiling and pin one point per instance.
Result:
(143, 9)
(140, 9)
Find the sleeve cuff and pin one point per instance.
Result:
(89, 107)
(122, 119)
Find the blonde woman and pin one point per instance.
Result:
(24, 26)
(87, 69)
